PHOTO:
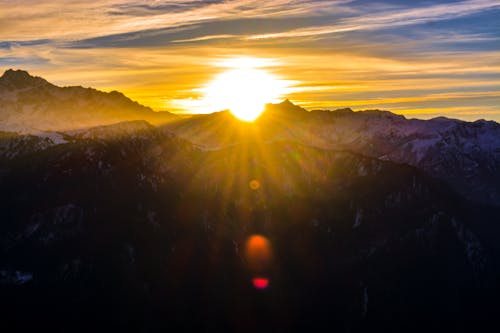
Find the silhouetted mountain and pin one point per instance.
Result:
(284, 111)
(12, 80)
(32, 105)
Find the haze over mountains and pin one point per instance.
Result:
(464, 154)
(117, 216)
(31, 104)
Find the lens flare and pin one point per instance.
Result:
(254, 184)
(258, 255)
(260, 283)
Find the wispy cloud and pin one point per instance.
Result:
(204, 38)
(390, 18)
(71, 20)
(408, 56)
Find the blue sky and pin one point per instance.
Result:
(418, 58)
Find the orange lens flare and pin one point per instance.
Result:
(254, 184)
(258, 253)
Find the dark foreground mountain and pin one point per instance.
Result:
(126, 228)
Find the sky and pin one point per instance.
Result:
(419, 58)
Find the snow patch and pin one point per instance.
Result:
(358, 218)
(365, 301)
(55, 137)
(15, 277)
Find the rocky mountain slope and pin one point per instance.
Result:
(132, 229)
(375, 222)
(30, 104)
(464, 154)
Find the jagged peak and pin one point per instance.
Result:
(444, 119)
(285, 109)
(335, 112)
(285, 105)
(486, 122)
(117, 94)
(287, 102)
(20, 79)
(345, 110)
(11, 73)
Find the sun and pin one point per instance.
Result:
(244, 89)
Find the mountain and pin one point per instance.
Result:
(374, 222)
(13, 144)
(131, 229)
(464, 154)
(32, 105)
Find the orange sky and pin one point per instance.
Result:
(423, 59)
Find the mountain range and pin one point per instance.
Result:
(117, 217)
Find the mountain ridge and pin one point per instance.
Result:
(126, 214)
(464, 154)
(132, 226)
(30, 104)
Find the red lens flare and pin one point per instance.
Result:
(260, 283)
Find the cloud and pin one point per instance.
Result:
(406, 56)
(204, 38)
(71, 20)
(390, 18)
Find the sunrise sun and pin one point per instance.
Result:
(244, 88)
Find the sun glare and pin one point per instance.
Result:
(244, 88)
